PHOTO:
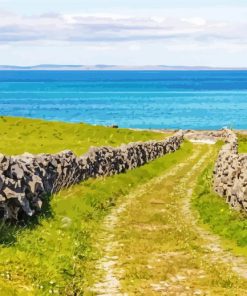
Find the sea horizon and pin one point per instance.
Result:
(107, 67)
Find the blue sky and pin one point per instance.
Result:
(137, 32)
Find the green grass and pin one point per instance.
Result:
(160, 242)
(242, 142)
(217, 215)
(19, 135)
(56, 255)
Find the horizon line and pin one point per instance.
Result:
(111, 67)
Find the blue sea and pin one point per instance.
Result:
(137, 99)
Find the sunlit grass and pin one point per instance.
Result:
(161, 251)
(217, 215)
(55, 254)
(242, 142)
(19, 135)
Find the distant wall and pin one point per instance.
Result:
(27, 179)
(230, 173)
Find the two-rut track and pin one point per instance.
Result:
(152, 244)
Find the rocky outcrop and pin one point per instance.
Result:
(27, 180)
(230, 173)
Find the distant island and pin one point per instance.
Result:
(113, 67)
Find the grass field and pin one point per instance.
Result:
(53, 256)
(58, 253)
(19, 135)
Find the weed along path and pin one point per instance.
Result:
(151, 244)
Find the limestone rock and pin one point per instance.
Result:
(230, 173)
(27, 179)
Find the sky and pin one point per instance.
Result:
(124, 32)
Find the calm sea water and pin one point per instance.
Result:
(141, 99)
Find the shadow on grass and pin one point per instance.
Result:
(9, 230)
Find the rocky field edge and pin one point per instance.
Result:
(27, 180)
(230, 173)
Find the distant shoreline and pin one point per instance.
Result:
(115, 68)
(156, 130)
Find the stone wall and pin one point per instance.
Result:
(230, 173)
(27, 180)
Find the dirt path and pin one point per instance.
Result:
(151, 244)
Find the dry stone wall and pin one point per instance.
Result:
(230, 173)
(27, 180)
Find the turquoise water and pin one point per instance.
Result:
(140, 99)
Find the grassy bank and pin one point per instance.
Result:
(19, 135)
(216, 214)
(242, 142)
(56, 255)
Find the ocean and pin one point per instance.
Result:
(136, 99)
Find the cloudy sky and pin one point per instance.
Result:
(124, 32)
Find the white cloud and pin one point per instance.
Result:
(80, 28)
(197, 21)
(134, 47)
(115, 39)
